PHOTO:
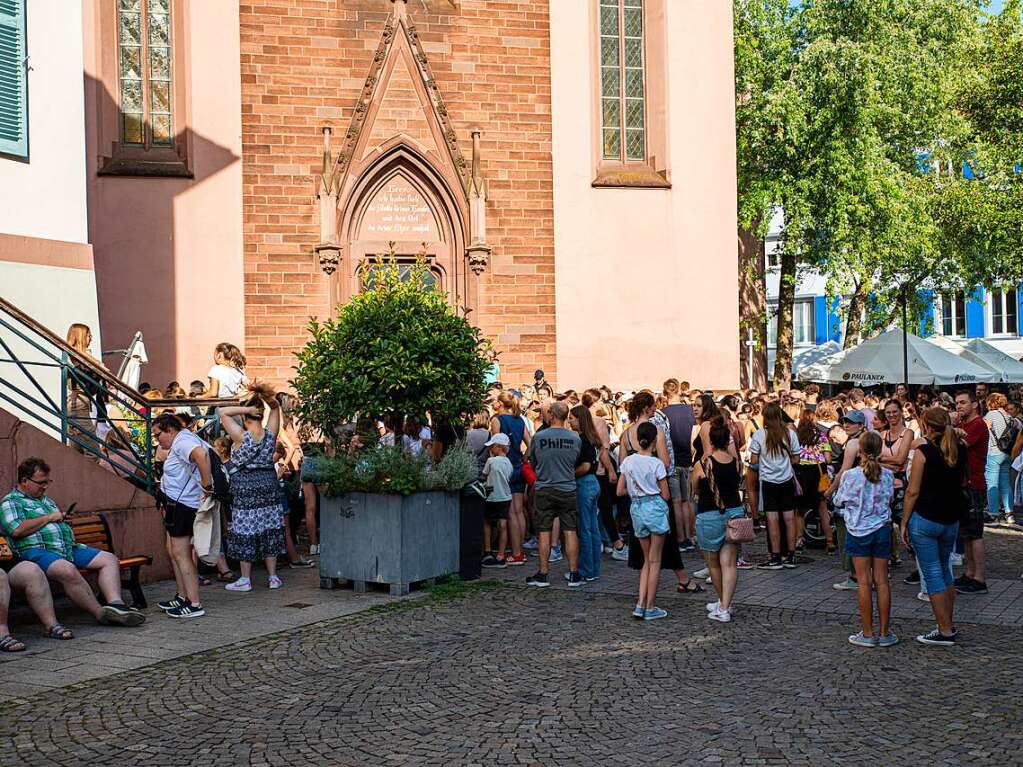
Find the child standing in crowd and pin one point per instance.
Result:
(227, 376)
(497, 472)
(864, 500)
(645, 479)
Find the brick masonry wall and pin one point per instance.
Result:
(303, 63)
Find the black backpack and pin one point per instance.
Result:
(1007, 440)
(221, 487)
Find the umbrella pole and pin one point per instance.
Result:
(905, 341)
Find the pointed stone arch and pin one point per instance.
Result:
(401, 197)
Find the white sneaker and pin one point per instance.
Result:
(956, 560)
(242, 584)
(314, 549)
(701, 573)
(722, 616)
(274, 582)
(621, 555)
(922, 596)
(712, 606)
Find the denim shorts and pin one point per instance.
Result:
(649, 516)
(80, 555)
(710, 527)
(876, 545)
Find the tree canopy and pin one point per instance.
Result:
(856, 118)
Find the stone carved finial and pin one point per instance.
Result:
(478, 253)
(327, 251)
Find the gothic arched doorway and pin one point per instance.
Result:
(402, 200)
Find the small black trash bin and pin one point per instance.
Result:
(470, 538)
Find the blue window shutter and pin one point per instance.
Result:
(820, 320)
(834, 321)
(928, 320)
(975, 314)
(13, 80)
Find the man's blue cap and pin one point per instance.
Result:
(855, 416)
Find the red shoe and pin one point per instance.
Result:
(513, 560)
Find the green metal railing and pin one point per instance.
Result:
(39, 372)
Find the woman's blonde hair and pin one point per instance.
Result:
(509, 402)
(938, 421)
(870, 455)
(996, 401)
(78, 338)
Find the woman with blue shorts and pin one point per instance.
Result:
(930, 517)
(715, 481)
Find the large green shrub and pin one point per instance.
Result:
(397, 347)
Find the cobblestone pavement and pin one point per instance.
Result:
(528, 677)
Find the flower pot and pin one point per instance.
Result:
(393, 539)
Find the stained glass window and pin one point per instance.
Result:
(622, 100)
(144, 69)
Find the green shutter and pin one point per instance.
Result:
(13, 82)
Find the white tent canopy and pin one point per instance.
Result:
(1009, 369)
(879, 361)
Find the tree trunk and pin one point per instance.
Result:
(786, 298)
(752, 311)
(854, 318)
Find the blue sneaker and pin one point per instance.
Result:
(638, 613)
(556, 554)
(654, 613)
(530, 545)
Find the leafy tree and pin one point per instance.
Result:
(837, 101)
(396, 348)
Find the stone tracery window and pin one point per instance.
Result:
(144, 72)
(622, 81)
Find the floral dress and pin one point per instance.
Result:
(257, 522)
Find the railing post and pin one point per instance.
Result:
(149, 451)
(63, 397)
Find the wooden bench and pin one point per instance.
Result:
(93, 530)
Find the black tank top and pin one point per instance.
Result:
(726, 476)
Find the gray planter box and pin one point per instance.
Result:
(392, 539)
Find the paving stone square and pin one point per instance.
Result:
(495, 673)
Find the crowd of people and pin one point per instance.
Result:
(645, 477)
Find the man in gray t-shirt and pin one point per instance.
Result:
(555, 455)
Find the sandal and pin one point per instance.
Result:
(10, 644)
(830, 548)
(204, 581)
(689, 587)
(57, 631)
(225, 577)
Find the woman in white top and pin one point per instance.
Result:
(996, 470)
(227, 376)
(773, 451)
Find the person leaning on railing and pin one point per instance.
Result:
(86, 400)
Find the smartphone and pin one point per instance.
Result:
(70, 510)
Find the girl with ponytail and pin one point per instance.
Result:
(935, 499)
(864, 500)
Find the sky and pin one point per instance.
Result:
(995, 6)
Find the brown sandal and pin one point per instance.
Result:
(57, 631)
(11, 644)
(690, 587)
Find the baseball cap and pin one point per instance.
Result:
(537, 375)
(855, 416)
(499, 439)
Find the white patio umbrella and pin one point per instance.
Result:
(879, 360)
(130, 370)
(813, 354)
(1010, 369)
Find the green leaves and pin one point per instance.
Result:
(397, 347)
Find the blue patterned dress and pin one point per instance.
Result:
(257, 523)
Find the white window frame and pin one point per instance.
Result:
(772, 322)
(1001, 294)
(939, 314)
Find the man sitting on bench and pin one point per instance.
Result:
(37, 530)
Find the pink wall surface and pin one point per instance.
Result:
(168, 251)
(647, 279)
(135, 523)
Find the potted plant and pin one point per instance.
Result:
(398, 349)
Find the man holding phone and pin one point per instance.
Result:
(38, 530)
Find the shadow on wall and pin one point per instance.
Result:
(136, 526)
(135, 239)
